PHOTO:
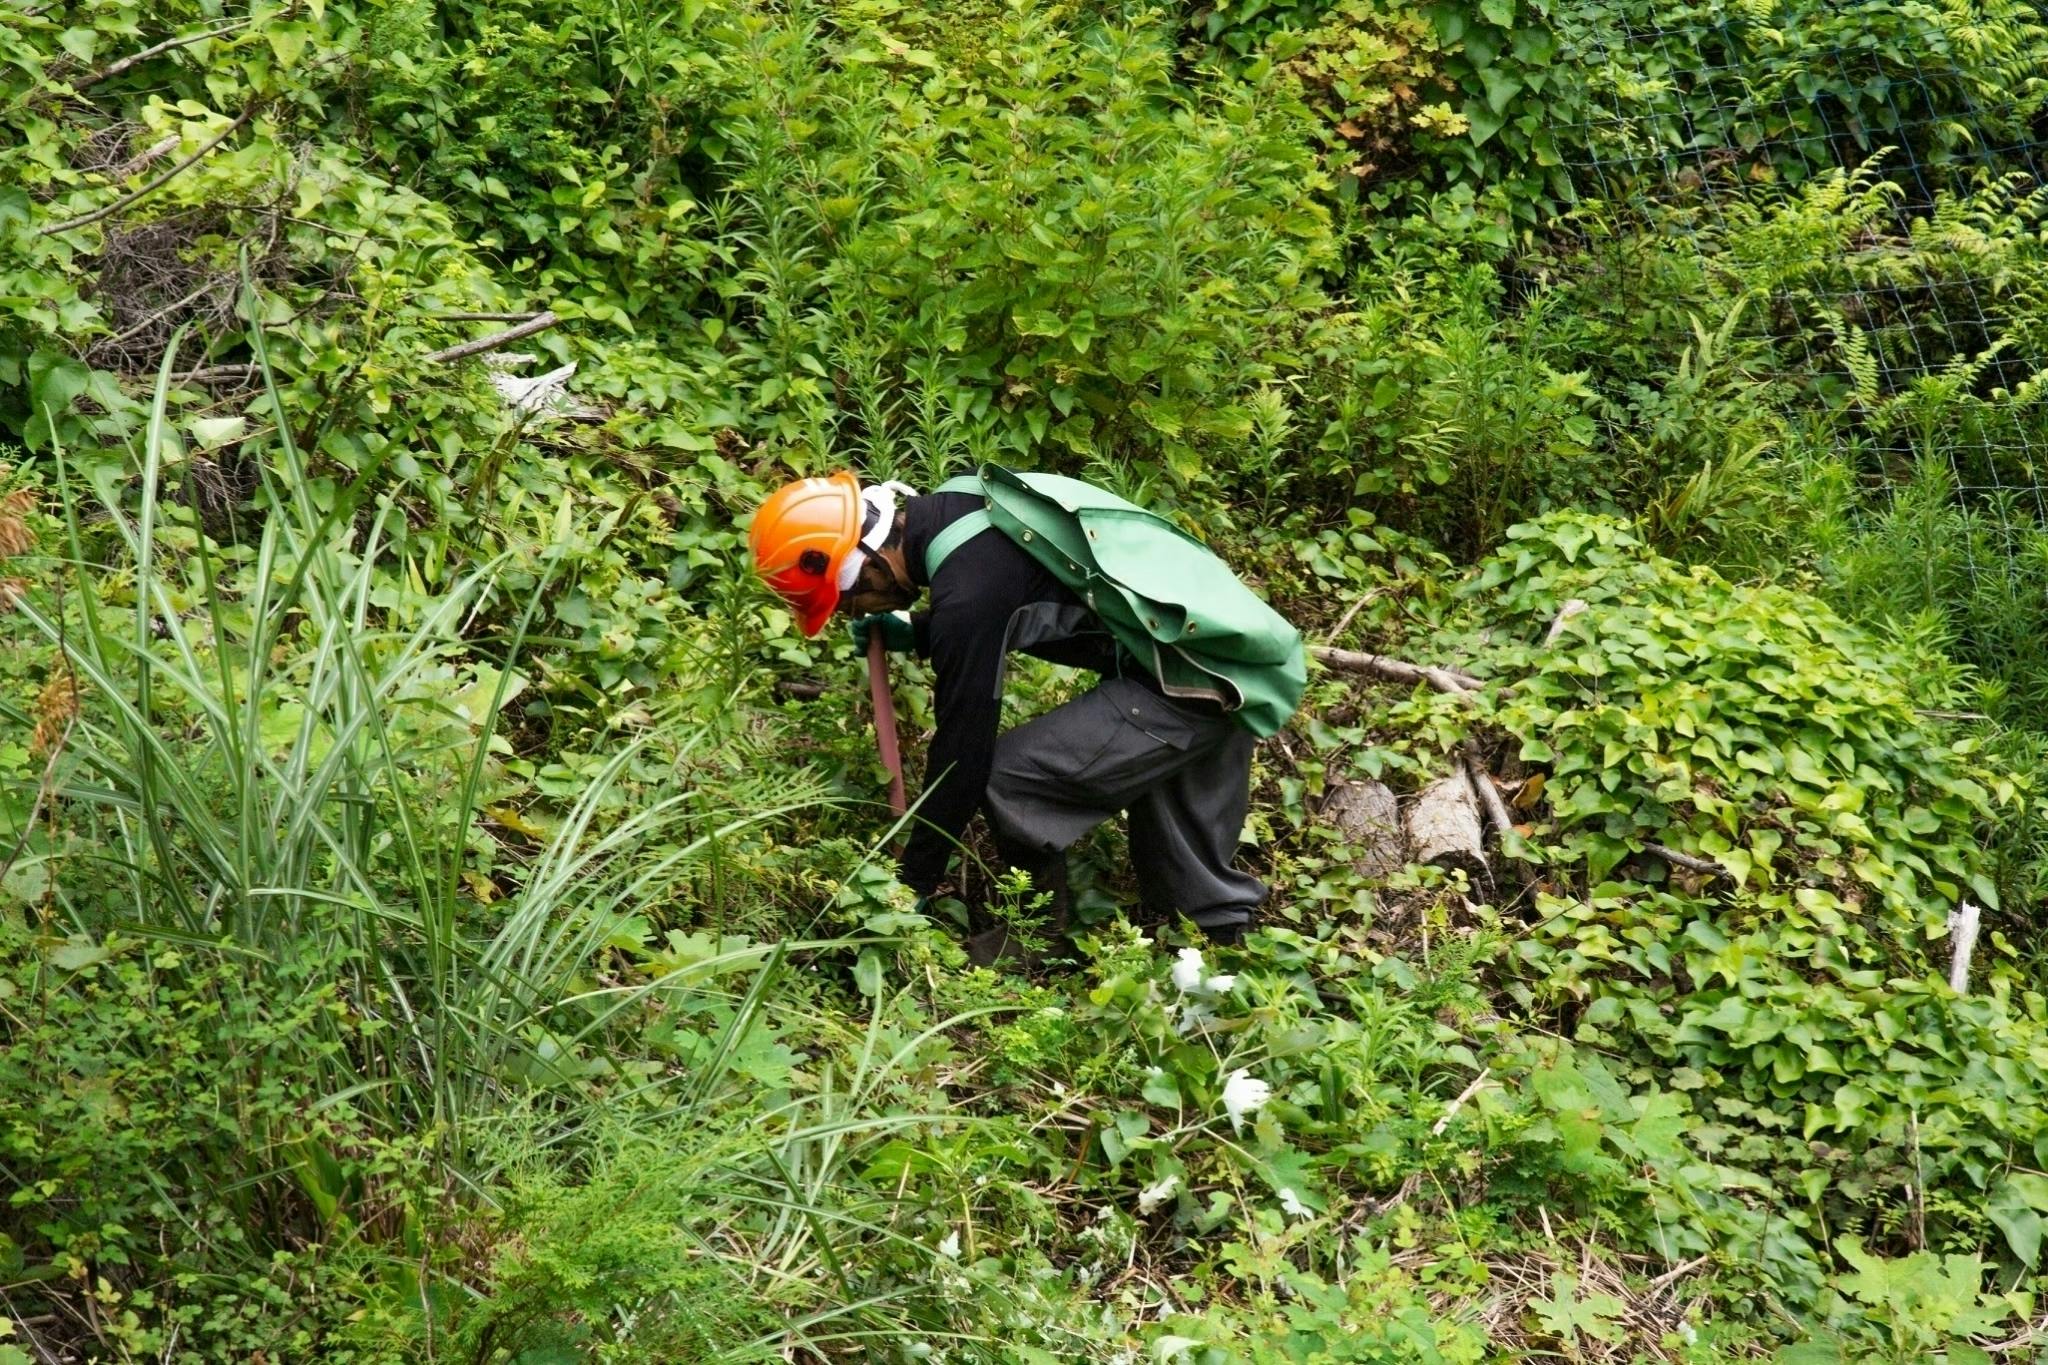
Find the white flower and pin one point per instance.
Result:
(1189, 975)
(1291, 1203)
(950, 1248)
(1244, 1094)
(1157, 1193)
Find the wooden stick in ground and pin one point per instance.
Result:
(885, 721)
(1337, 631)
(539, 322)
(130, 199)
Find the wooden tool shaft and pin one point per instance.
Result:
(885, 719)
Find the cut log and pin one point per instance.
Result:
(1366, 815)
(1444, 828)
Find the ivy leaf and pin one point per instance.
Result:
(1500, 88)
(1485, 122)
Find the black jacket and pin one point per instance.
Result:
(989, 598)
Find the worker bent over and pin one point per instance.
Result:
(1193, 669)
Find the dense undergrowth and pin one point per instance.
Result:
(433, 928)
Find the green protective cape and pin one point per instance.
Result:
(1166, 597)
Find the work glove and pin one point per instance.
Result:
(898, 636)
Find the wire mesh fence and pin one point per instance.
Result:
(1870, 178)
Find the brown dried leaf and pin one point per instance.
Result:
(56, 708)
(14, 536)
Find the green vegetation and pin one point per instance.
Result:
(432, 929)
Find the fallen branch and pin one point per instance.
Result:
(1678, 1272)
(1451, 680)
(135, 59)
(539, 322)
(484, 317)
(147, 157)
(1337, 631)
(217, 374)
(1481, 780)
(130, 199)
(1691, 862)
(159, 315)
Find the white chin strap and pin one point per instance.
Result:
(880, 499)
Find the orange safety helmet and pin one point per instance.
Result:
(801, 537)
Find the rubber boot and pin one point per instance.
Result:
(997, 945)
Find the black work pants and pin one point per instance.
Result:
(1181, 769)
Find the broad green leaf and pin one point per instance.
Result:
(867, 972)
(287, 41)
(1485, 122)
(209, 432)
(77, 955)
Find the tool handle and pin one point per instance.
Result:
(885, 719)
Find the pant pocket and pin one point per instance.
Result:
(1142, 708)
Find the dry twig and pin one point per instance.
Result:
(1451, 1111)
(218, 374)
(1451, 680)
(135, 59)
(1678, 1272)
(146, 158)
(485, 317)
(130, 199)
(540, 322)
